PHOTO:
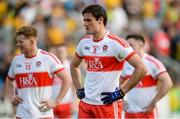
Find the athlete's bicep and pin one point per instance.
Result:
(63, 75)
(164, 78)
(76, 61)
(135, 61)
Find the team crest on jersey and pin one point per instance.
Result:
(38, 63)
(105, 47)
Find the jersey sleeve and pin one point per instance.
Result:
(79, 50)
(11, 73)
(158, 68)
(55, 64)
(127, 71)
(123, 52)
(123, 74)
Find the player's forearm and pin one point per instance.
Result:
(10, 88)
(164, 86)
(76, 76)
(64, 88)
(138, 73)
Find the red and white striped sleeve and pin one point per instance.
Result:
(122, 50)
(79, 49)
(55, 64)
(156, 66)
(11, 73)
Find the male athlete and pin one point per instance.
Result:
(33, 71)
(104, 54)
(141, 101)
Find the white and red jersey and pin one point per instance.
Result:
(141, 96)
(105, 59)
(34, 79)
(69, 97)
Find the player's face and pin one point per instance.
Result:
(62, 52)
(91, 24)
(135, 44)
(24, 44)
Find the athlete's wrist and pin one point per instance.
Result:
(124, 91)
(56, 102)
(121, 92)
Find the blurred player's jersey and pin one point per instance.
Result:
(141, 96)
(105, 59)
(65, 108)
(34, 79)
(57, 85)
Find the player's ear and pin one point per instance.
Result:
(142, 44)
(32, 40)
(100, 19)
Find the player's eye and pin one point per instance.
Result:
(87, 20)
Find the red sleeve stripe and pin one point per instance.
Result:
(126, 77)
(122, 42)
(59, 70)
(161, 73)
(80, 57)
(54, 57)
(11, 78)
(153, 61)
(123, 78)
(130, 55)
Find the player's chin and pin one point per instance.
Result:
(21, 50)
(89, 32)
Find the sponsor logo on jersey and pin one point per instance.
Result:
(120, 56)
(95, 64)
(28, 81)
(86, 48)
(18, 65)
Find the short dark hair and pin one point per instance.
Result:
(27, 31)
(97, 11)
(136, 37)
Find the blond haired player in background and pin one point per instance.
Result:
(33, 71)
(141, 101)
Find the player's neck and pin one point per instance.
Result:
(141, 53)
(31, 53)
(99, 35)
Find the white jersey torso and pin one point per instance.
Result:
(105, 60)
(69, 97)
(141, 96)
(34, 79)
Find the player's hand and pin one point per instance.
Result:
(80, 93)
(112, 96)
(47, 105)
(150, 107)
(16, 99)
